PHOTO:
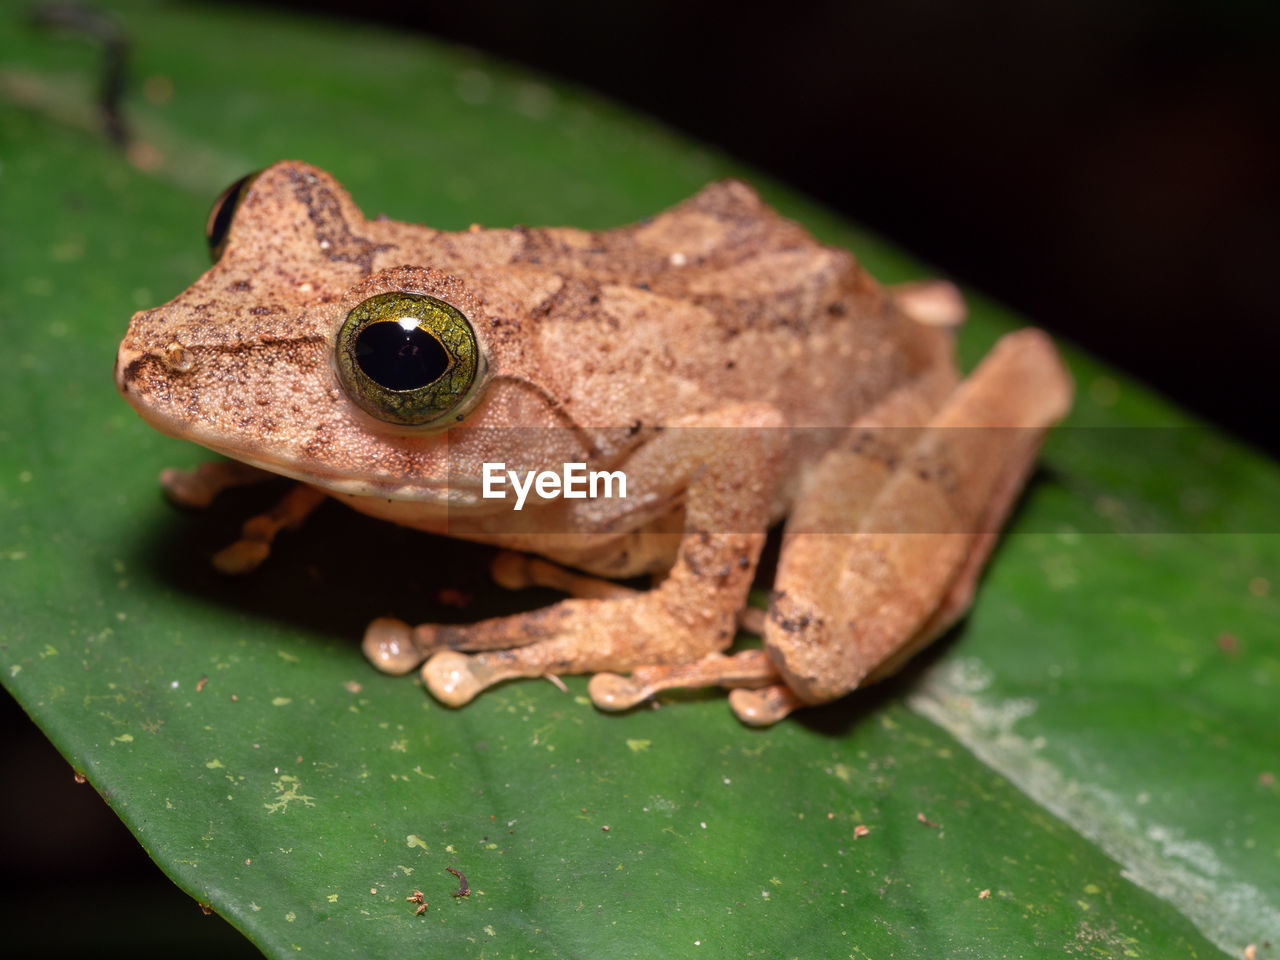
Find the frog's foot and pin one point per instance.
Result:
(394, 647)
(691, 614)
(759, 698)
(672, 624)
(764, 705)
(197, 488)
(258, 532)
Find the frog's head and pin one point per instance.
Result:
(301, 353)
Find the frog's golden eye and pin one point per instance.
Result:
(407, 358)
(217, 228)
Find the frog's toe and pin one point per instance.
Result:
(612, 692)
(510, 570)
(392, 646)
(187, 488)
(241, 557)
(455, 678)
(765, 706)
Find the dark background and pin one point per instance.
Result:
(1105, 167)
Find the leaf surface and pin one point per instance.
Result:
(1087, 765)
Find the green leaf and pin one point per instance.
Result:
(1087, 765)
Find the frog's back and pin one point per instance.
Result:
(717, 300)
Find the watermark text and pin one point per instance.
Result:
(573, 482)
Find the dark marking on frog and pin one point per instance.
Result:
(794, 623)
(333, 234)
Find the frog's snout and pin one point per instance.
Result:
(134, 364)
(138, 374)
(145, 378)
(119, 373)
(129, 371)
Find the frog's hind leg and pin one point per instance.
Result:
(758, 696)
(853, 475)
(765, 703)
(883, 550)
(853, 601)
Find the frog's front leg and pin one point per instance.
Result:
(726, 465)
(516, 571)
(258, 532)
(198, 488)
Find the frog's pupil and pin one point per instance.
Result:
(400, 359)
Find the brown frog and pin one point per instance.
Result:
(715, 361)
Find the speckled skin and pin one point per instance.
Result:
(596, 348)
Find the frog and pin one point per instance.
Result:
(740, 375)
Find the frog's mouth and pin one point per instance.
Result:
(161, 409)
(449, 497)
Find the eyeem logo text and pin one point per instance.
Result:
(574, 482)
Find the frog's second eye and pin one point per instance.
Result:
(407, 358)
(217, 229)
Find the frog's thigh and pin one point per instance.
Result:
(727, 464)
(855, 596)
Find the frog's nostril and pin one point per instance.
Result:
(177, 358)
